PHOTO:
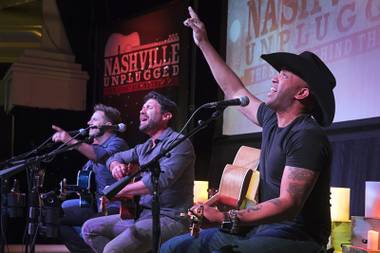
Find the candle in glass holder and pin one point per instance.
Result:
(340, 204)
(372, 240)
(200, 191)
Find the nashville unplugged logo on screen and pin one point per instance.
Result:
(130, 66)
(344, 34)
(332, 29)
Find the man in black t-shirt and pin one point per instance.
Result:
(294, 212)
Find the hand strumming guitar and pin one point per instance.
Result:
(212, 214)
(120, 170)
(128, 208)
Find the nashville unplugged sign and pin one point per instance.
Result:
(130, 66)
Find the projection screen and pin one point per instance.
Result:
(344, 33)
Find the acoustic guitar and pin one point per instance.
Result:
(129, 207)
(237, 188)
(85, 188)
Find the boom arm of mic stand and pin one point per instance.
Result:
(21, 158)
(6, 173)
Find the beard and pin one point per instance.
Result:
(148, 127)
(94, 133)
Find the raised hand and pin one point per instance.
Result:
(199, 29)
(60, 135)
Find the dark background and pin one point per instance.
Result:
(356, 144)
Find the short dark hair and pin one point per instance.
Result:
(167, 105)
(112, 114)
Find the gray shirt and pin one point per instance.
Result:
(177, 178)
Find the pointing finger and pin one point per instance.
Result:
(192, 13)
(193, 23)
(56, 128)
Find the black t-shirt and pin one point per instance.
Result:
(301, 144)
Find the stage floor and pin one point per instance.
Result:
(40, 248)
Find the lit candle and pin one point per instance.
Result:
(200, 191)
(340, 204)
(373, 240)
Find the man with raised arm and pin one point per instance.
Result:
(105, 144)
(294, 211)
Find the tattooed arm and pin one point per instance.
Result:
(296, 185)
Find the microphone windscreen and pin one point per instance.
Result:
(83, 132)
(244, 101)
(122, 127)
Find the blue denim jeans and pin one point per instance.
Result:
(110, 234)
(70, 224)
(73, 218)
(213, 241)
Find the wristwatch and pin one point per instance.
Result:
(234, 220)
(230, 222)
(226, 224)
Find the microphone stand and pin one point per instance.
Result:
(16, 159)
(154, 167)
(34, 195)
(34, 209)
(3, 213)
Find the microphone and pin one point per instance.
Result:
(80, 132)
(121, 127)
(241, 101)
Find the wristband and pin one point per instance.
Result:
(227, 223)
(234, 220)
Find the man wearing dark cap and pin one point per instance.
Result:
(294, 211)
